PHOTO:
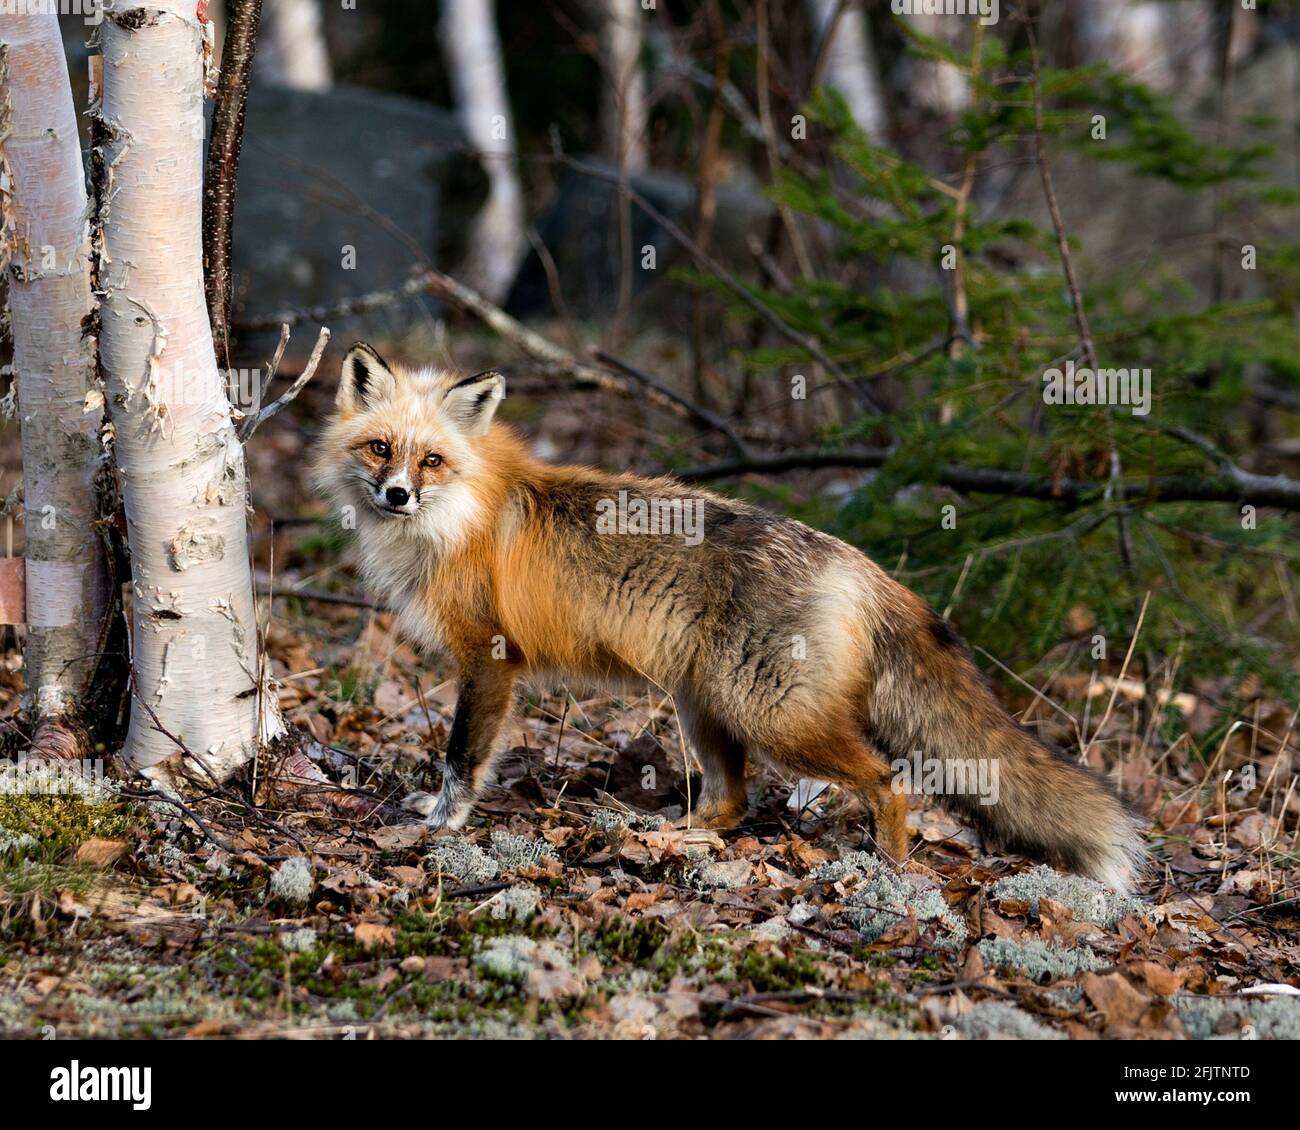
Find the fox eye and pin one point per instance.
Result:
(432, 461)
(380, 448)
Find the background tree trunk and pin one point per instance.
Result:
(623, 114)
(937, 88)
(195, 656)
(60, 402)
(478, 77)
(292, 51)
(850, 63)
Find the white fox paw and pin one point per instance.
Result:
(422, 804)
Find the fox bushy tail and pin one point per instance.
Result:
(931, 698)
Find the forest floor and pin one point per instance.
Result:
(569, 908)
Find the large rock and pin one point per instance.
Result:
(325, 172)
(580, 229)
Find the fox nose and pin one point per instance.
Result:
(397, 496)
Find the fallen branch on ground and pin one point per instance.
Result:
(1231, 484)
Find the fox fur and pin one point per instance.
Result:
(772, 637)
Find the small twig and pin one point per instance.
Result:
(699, 412)
(254, 422)
(320, 597)
(272, 367)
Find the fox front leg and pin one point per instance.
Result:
(484, 701)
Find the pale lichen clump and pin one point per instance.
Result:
(291, 882)
(877, 897)
(301, 940)
(1087, 899)
(17, 842)
(514, 956)
(995, 1020)
(609, 819)
(1240, 1017)
(461, 860)
(1040, 960)
(513, 853)
(518, 903)
(464, 861)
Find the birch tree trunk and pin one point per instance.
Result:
(292, 51)
(936, 86)
(473, 50)
(623, 113)
(60, 402)
(1133, 36)
(850, 63)
(195, 643)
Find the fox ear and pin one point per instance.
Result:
(366, 379)
(471, 402)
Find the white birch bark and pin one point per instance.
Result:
(938, 86)
(60, 403)
(850, 66)
(623, 110)
(195, 643)
(291, 48)
(473, 50)
(1133, 36)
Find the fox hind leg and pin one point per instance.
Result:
(722, 803)
(849, 761)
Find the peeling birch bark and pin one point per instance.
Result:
(60, 403)
(195, 644)
(478, 78)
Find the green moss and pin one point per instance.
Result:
(46, 813)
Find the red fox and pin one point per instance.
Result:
(772, 637)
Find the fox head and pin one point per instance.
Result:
(404, 446)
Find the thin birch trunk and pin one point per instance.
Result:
(936, 85)
(60, 401)
(292, 51)
(850, 63)
(1133, 36)
(195, 642)
(623, 105)
(473, 49)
